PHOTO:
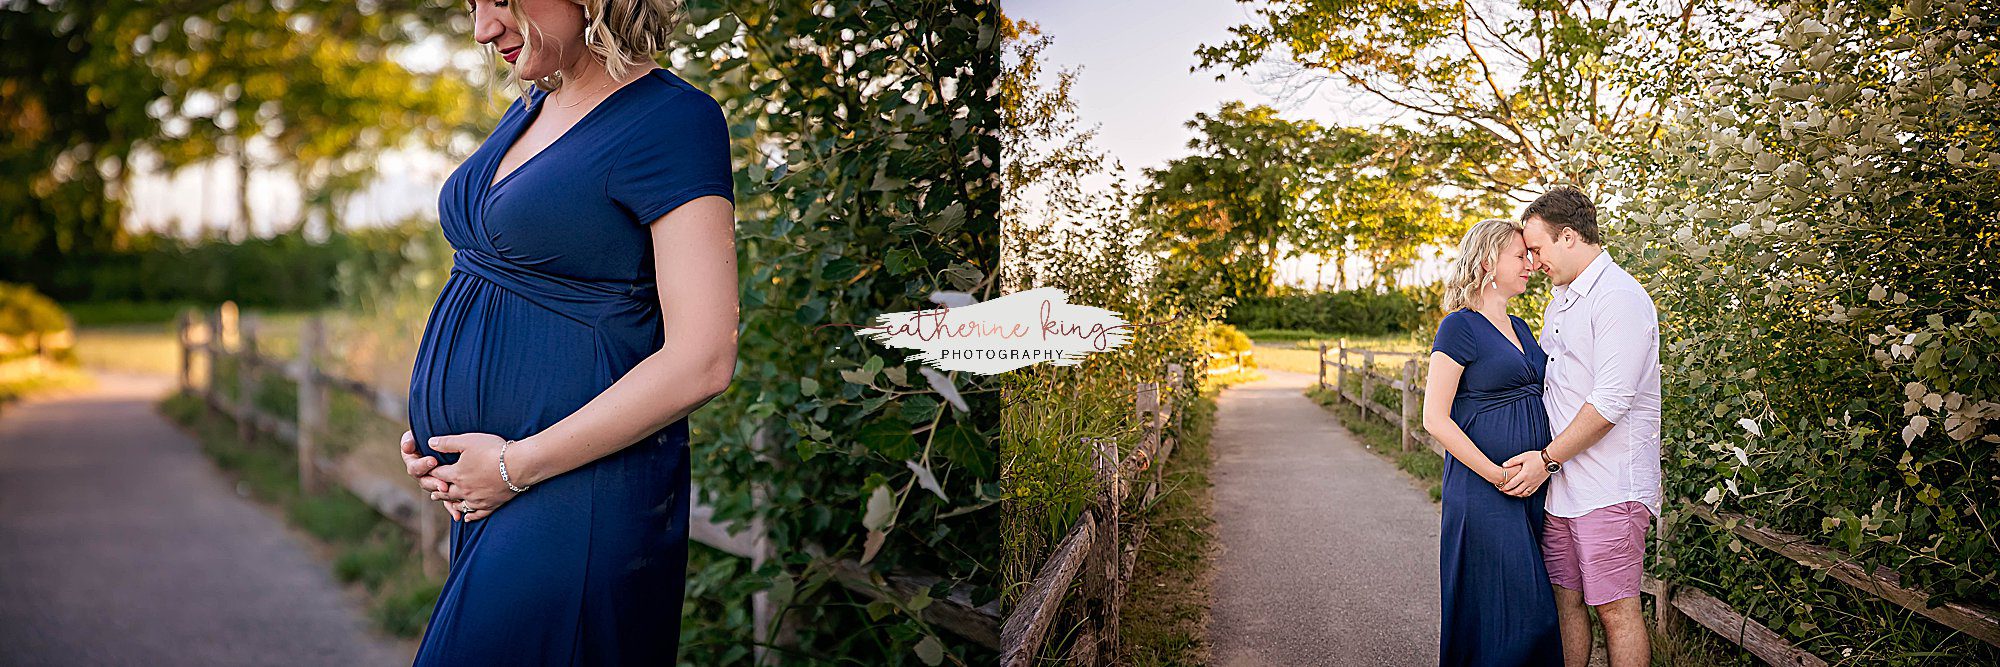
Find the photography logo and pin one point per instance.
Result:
(1017, 330)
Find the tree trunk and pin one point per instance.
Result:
(1340, 270)
(1271, 265)
(240, 231)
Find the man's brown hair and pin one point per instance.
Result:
(1565, 207)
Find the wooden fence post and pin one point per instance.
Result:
(1320, 362)
(246, 379)
(229, 317)
(1171, 420)
(433, 550)
(1666, 618)
(1146, 403)
(1409, 403)
(312, 407)
(211, 395)
(1367, 380)
(183, 334)
(1340, 371)
(1110, 553)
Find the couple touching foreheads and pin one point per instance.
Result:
(1552, 465)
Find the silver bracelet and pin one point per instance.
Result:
(503, 470)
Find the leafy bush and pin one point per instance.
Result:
(1819, 227)
(1227, 339)
(33, 324)
(25, 312)
(864, 137)
(1352, 312)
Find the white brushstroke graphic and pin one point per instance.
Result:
(1014, 331)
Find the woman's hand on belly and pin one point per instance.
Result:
(473, 484)
(420, 467)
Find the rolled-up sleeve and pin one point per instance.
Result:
(1626, 337)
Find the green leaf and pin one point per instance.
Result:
(949, 219)
(902, 260)
(840, 270)
(930, 651)
(889, 437)
(965, 447)
(881, 510)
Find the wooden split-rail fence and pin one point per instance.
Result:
(223, 335)
(1224, 363)
(1097, 556)
(1677, 602)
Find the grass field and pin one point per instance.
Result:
(1289, 352)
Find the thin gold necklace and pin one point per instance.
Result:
(599, 88)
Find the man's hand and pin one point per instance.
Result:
(1533, 473)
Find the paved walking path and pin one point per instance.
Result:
(121, 544)
(1329, 554)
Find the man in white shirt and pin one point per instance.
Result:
(1602, 393)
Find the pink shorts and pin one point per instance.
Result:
(1602, 553)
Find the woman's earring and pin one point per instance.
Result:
(1492, 284)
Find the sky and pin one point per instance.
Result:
(1133, 61)
(1133, 81)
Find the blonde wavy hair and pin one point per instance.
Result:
(617, 31)
(1477, 254)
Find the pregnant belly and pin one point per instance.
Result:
(492, 361)
(1509, 429)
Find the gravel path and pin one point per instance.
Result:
(121, 544)
(1329, 554)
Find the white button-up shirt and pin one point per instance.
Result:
(1602, 335)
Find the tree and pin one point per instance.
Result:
(1514, 78)
(1260, 189)
(317, 83)
(1234, 203)
(89, 86)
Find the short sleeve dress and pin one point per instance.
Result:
(1498, 607)
(551, 299)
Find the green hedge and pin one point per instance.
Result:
(287, 271)
(1353, 312)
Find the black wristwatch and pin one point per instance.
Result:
(1553, 465)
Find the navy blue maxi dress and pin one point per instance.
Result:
(551, 299)
(1498, 607)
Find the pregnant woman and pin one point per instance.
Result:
(1483, 401)
(591, 307)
